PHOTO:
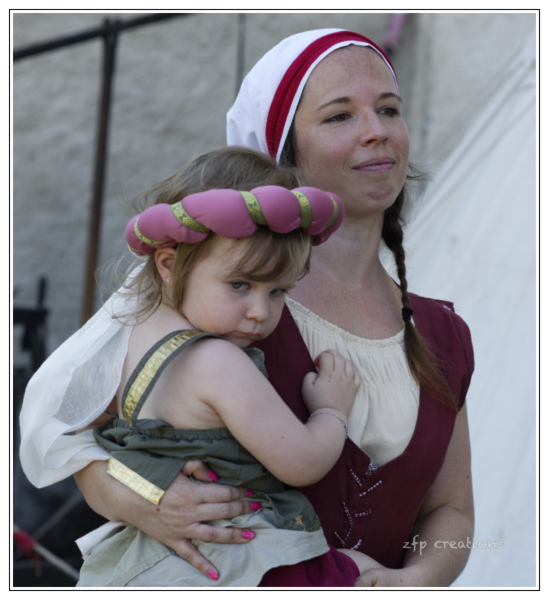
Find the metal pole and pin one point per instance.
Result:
(241, 37)
(90, 34)
(49, 556)
(393, 33)
(110, 39)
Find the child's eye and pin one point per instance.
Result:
(278, 292)
(239, 285)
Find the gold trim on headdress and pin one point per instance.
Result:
(185, 219)
(144, 239)
(306, 209)
(334, 216)
(254, 208)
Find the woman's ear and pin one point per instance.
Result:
(164, 261)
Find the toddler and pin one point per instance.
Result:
(219, 265)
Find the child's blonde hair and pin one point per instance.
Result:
(268, 255)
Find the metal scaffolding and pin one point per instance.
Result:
(109, 32)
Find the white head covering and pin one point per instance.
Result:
(265, 107)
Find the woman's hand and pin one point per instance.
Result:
(179, 516)
(334, 386)
(447, 513)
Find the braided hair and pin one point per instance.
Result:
(421, 360)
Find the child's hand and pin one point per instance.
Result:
(334, 386)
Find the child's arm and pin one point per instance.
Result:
(102, 418)
(296, 453)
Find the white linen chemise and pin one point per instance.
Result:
(384, 414)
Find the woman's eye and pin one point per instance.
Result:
(390, 111)
(337, 118)
(238, 285)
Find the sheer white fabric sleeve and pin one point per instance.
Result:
(71, 389)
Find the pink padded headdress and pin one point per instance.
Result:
(265, 107)
(234, 214)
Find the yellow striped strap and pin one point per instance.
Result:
(141, 381)
(185, 219)
(306, 209)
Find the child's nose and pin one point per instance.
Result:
(258, 309)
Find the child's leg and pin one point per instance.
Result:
(363, 562)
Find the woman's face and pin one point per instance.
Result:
(351, 138)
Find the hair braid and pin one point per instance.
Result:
(422, 362)
(393, 236)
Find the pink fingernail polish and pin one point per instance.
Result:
(248, 535)
(248, 494)
(213, 575)
(255, 505)
(213, 477)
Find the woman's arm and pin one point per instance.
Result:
(178, 518)
(447, 515)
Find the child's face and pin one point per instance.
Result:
(241, 310)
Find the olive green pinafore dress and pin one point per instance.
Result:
(146, 455)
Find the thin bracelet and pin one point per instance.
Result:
(331, 414)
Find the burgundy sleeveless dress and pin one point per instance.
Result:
(360, 506)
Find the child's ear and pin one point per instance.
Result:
(164, 261)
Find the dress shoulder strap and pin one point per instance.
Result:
(150, 367)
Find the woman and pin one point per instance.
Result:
(328, 101)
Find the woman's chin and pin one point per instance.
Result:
(368, 206)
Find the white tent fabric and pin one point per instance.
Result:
(473, 241)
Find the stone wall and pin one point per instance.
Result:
(174, 82)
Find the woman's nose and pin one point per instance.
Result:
(373, 129)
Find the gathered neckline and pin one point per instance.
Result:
(327, 326)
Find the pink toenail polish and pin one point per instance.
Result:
(248, 535)
(213, 476)
(255, 505)
(248, 494)
(213, 575)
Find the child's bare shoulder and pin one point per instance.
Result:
(213, 370)
(209, 353)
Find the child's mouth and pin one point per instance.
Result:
(245, 336)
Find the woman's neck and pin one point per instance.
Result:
(351, 256)
(348, 286)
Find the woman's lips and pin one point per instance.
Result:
(375, 166)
